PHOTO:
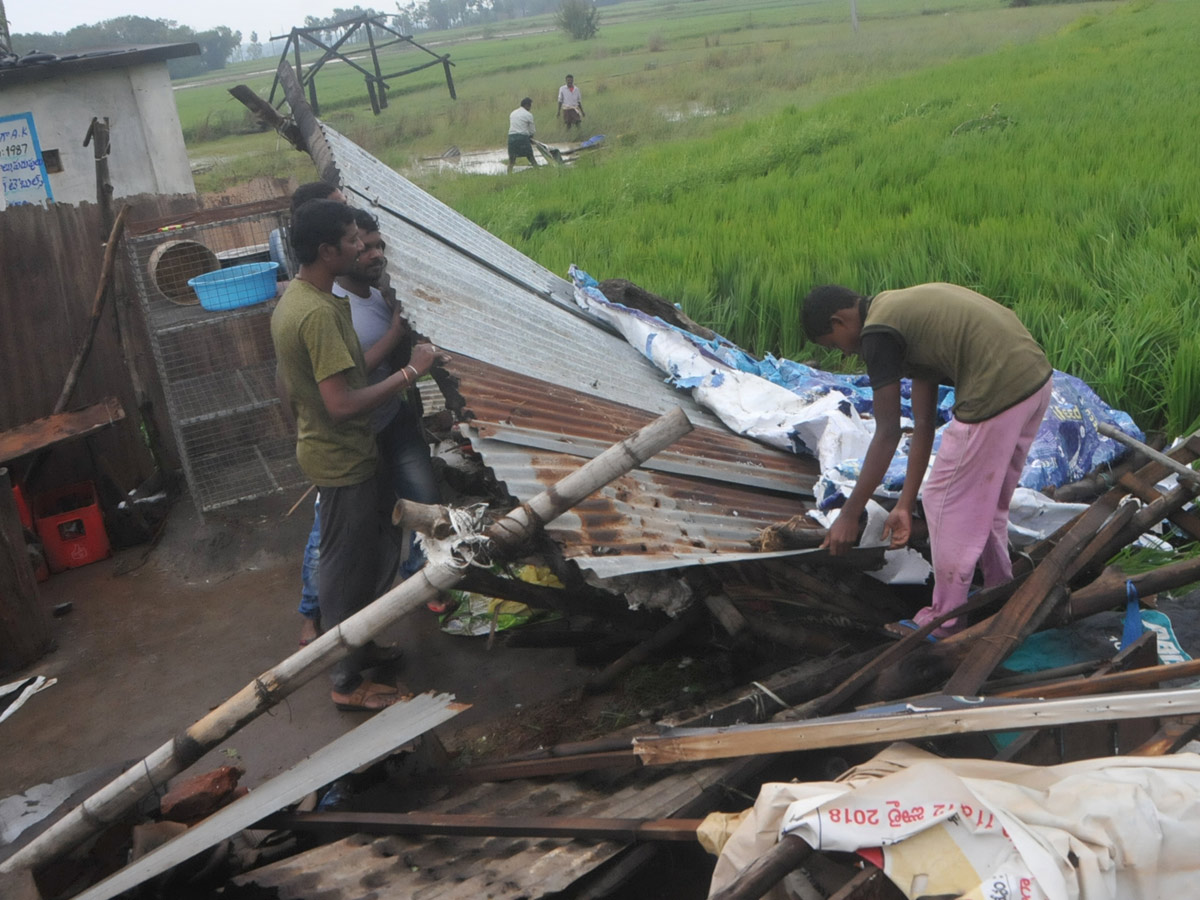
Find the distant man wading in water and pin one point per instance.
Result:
(520, 134)
(941, 334)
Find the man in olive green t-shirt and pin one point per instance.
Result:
(941, 334)
(324, 373)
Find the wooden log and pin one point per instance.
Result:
(467, 825)
(102, 290)
(24, 624)
(1107, 593)
(507, 535)
(768, 870)
(873, 727)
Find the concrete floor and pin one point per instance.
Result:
(150, 647)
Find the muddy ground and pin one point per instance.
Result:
(157, 636)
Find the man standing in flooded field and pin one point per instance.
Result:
(520, 134)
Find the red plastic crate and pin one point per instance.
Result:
(71, 527)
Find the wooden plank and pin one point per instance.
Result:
(464, 825)
(50, 430)
(874, 726)
(380, 735)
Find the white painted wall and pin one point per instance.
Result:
(147, 152)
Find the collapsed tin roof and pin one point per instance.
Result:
(544, 387)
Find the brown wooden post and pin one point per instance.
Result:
(24, 625)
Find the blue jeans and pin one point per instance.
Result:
(406, 458)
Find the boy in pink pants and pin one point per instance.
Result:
(941, 334)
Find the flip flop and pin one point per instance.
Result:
(369, 697)
(902, 629)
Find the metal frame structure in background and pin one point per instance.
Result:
(376, 81)
(217, 368)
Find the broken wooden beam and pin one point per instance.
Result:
(875, 726)
(268, 115)
(1105, 593)
(506, 535)
(311, 136)
(1113, 681)
(465, 825)
(1028, 606)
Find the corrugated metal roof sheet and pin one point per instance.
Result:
(700, 501)
(546, 387)
(452, 868)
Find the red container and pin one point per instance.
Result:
(71, 527)
(23, 512)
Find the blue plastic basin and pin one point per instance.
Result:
(236, 286)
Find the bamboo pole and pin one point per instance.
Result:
(102, 289)
(115, 799)
(1187, 473)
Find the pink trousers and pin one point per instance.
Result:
(966, 498)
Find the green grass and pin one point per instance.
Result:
(1044, 156)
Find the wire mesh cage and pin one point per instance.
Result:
(214, 353)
